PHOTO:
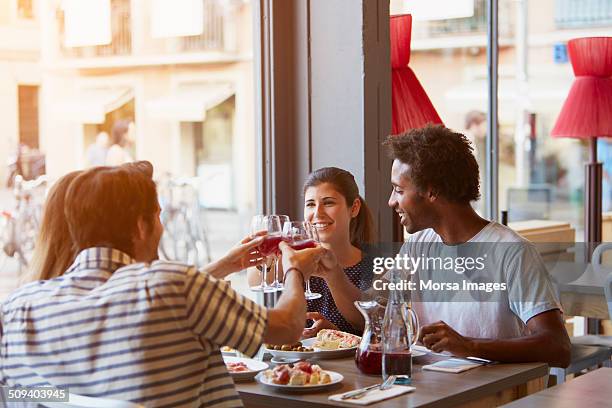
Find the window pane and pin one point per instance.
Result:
(183, 101)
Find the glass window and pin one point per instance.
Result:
(183, 102)
(540, 177)
(25, 9)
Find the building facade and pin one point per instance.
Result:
(181, 73)
(540, 177)
(20, 79)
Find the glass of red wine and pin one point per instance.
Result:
(270, 224)
(301, 235)
(277, 284)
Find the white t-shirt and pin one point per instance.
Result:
(508, 258)
(117, 156)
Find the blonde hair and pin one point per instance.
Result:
(53, 251)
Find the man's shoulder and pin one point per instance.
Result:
(496, 232)
(426, 235)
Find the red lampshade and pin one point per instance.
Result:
(400, 32)
(411, 105)
(587, 111)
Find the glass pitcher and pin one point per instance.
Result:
(400, 329)
(369, 355)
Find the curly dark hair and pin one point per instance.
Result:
(439, 159)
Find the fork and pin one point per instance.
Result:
(362, 393)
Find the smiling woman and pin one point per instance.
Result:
(332, 203)
(344, 224)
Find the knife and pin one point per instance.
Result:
(354, 393)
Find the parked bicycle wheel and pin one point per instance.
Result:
(184, 237)
(178, 242)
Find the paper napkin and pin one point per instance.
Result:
(452, 365)
(375, 395)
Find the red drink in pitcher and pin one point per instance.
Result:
(369, 361)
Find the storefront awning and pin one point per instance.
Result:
(190, 102)
(92, 104)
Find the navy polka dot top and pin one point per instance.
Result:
(360, 275)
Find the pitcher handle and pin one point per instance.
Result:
(417, 326)
(414, 321)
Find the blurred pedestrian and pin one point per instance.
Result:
(118, 152)
(97, 151)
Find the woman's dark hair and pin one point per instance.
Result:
(439, 159)
(361, 227)
(103, 205)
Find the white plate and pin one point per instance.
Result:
(317, 353)
(302, 355)
(281, 360)
(335, 379)
(321, 353)
(253, 365)
(231, 352)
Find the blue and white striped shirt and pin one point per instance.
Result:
(116, 329)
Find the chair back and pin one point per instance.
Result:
(81, 401)
(598, 267)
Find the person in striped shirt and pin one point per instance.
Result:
(121, 324)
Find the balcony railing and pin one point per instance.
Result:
(477, 24)
(121, 32)
(213, 38)
(583, 13)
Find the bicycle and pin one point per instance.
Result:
(20, 226)
(184, 238)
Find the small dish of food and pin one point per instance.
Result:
(228, 351)
(243, 369)
(299, 377)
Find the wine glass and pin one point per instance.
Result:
(269, 246)
(301, 235)
(277, 283)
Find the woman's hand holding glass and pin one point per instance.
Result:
(243, 255)
(305, 260)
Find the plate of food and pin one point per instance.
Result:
(333, 343)
(290, 351)
(327, 344)
(228, 351)
(299, 377)
(243, 369)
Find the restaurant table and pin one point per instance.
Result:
(484, 386)
(589, 390)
